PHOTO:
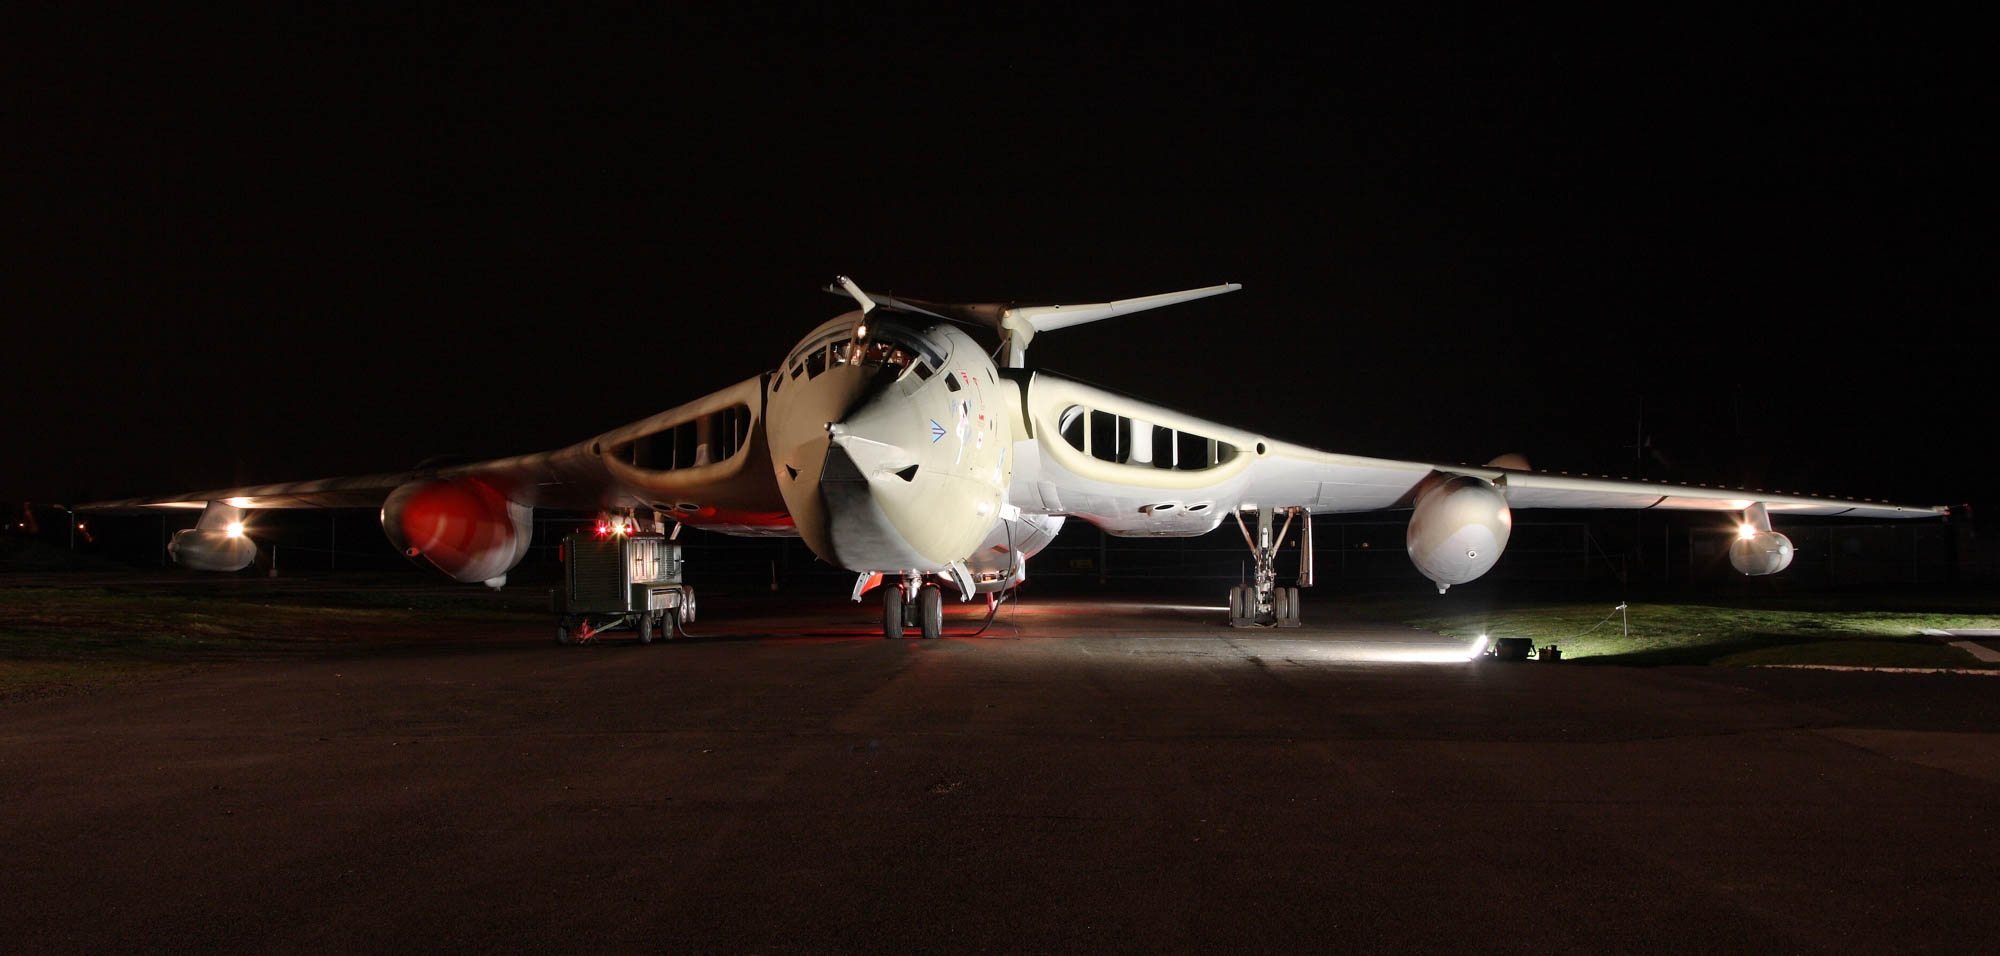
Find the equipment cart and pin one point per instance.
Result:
(613, 581)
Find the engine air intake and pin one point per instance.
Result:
(1130, 441)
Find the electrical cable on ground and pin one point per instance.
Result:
(1607, 618)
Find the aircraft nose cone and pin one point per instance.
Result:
(862, 534)
(874, 460)
(874, 435)
(874, 502)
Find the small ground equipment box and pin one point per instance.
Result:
(616, 581)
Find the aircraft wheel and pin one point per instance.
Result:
(1281, 603)
(1294, 605)
(930, 611)
(1236, 609)
(892, 612)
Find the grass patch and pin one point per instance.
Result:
(1688, 633)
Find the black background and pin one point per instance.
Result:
(298, 242)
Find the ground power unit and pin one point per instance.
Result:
(621, 581)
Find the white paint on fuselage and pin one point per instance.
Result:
(953, 427)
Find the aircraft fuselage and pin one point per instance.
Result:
(891, 449)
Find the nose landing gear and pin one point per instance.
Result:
(912, 602)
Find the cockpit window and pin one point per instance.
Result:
(891, 344)
(923, 371)
(886, 353)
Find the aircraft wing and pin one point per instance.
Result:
(1135, 468)
(705, 462)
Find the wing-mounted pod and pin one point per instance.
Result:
(1459, 528)
(216, 543)
(1758, 550)
(465, 527)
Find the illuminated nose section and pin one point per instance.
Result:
(895, 460)
(861, 533)
(875, 490)
(905, 491)
(873, 458)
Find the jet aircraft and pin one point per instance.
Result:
(899, 447)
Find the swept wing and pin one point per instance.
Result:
(1168, 473)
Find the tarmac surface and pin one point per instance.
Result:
(1086, 776)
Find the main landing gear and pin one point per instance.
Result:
(913, 602)
(1264, 603)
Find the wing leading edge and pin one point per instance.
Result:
(705, 462)
(1167, 473)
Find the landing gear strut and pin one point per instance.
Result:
(1264, 603)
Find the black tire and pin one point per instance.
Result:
(687, 606)
(1296, 615)
(1236, 604)
(930, 611)
(644, 625)
(563, 635)
(892, 612)
(1281, 604)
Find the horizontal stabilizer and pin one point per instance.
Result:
(1017, 324)
(1047, 317)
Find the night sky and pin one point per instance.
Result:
(301, 243)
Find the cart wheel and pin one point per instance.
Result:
(687, 605)
(644, 625)
(563, 635)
